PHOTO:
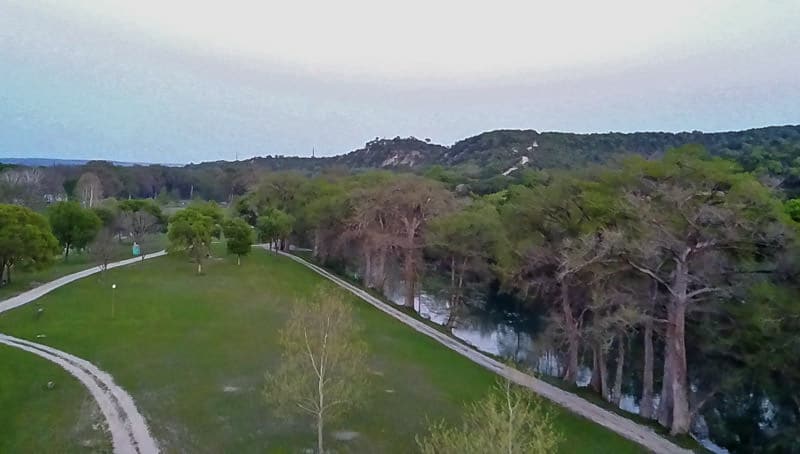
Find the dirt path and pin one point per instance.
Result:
(129, 431)
(638, 433)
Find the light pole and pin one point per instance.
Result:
(113, 290)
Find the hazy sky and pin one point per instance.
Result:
(174, 81)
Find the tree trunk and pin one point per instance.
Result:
(380, 269)
(665, 402)
(596, 381)
(617, 394)
(453, 274)
(199, 268)
(320, 423)
(461, 275)
(7, 267)
(646, 403)
(601, 359)
(238, 259)
(681, 417)
(368, 269)
(410, 278)
(317, 243)
(571, 372)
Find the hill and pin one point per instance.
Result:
(53, 162)
(497, 151)
(486, 162)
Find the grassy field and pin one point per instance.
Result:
(25, 280)
(192, 350)
(37, 418)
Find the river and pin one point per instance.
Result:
(492, 323)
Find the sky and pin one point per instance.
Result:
(189, 81)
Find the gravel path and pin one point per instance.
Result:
(638, 433)
(129, 431)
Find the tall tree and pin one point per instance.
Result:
(238, 238)
(73, 225)
(102, 248)
(275, 227)
(23, 186)
(402, 209)
(323, 365)
(190, 231)
(212, 210)
(25, 239)
(468, 241)
(696, 215)
(557, 230)
(89, 189)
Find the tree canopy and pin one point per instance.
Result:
(73, 225)
(190, 231)
(238, 237)
(25, 240)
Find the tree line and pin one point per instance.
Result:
(656, 274)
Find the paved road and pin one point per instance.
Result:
(638, 433)
(129, 431)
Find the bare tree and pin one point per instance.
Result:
(138, 224)
(510, 420)
(322, 371)
(102, 248)
(23, 186)
(89, 189)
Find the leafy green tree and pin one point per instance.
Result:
(107, 215)
(238, 238)
(25, 239)
(326, 215)
(280, 191)
(69, 188)
(275, 227)
(142, 206)
(244, 207)
(190, 231)
(322, 372)
(509, 420)
(213, 211)
(73, 225)
(556, 233)
(697, 216)
(792, 208)
(469, 241)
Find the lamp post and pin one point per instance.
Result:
(113, 290)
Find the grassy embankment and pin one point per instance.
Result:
(192, 350)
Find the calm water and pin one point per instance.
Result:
(493, 323)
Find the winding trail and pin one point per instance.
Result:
(129, 431)
(625, 427)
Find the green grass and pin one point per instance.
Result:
(179, 341)
(22, 280)
(36, 418)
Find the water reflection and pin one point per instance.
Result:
(484, 321)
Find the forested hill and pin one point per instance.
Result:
(773, 148)
(486, 162)
(502, 149)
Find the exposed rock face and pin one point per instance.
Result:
(394, 153)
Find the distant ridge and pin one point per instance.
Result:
(53, 162)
